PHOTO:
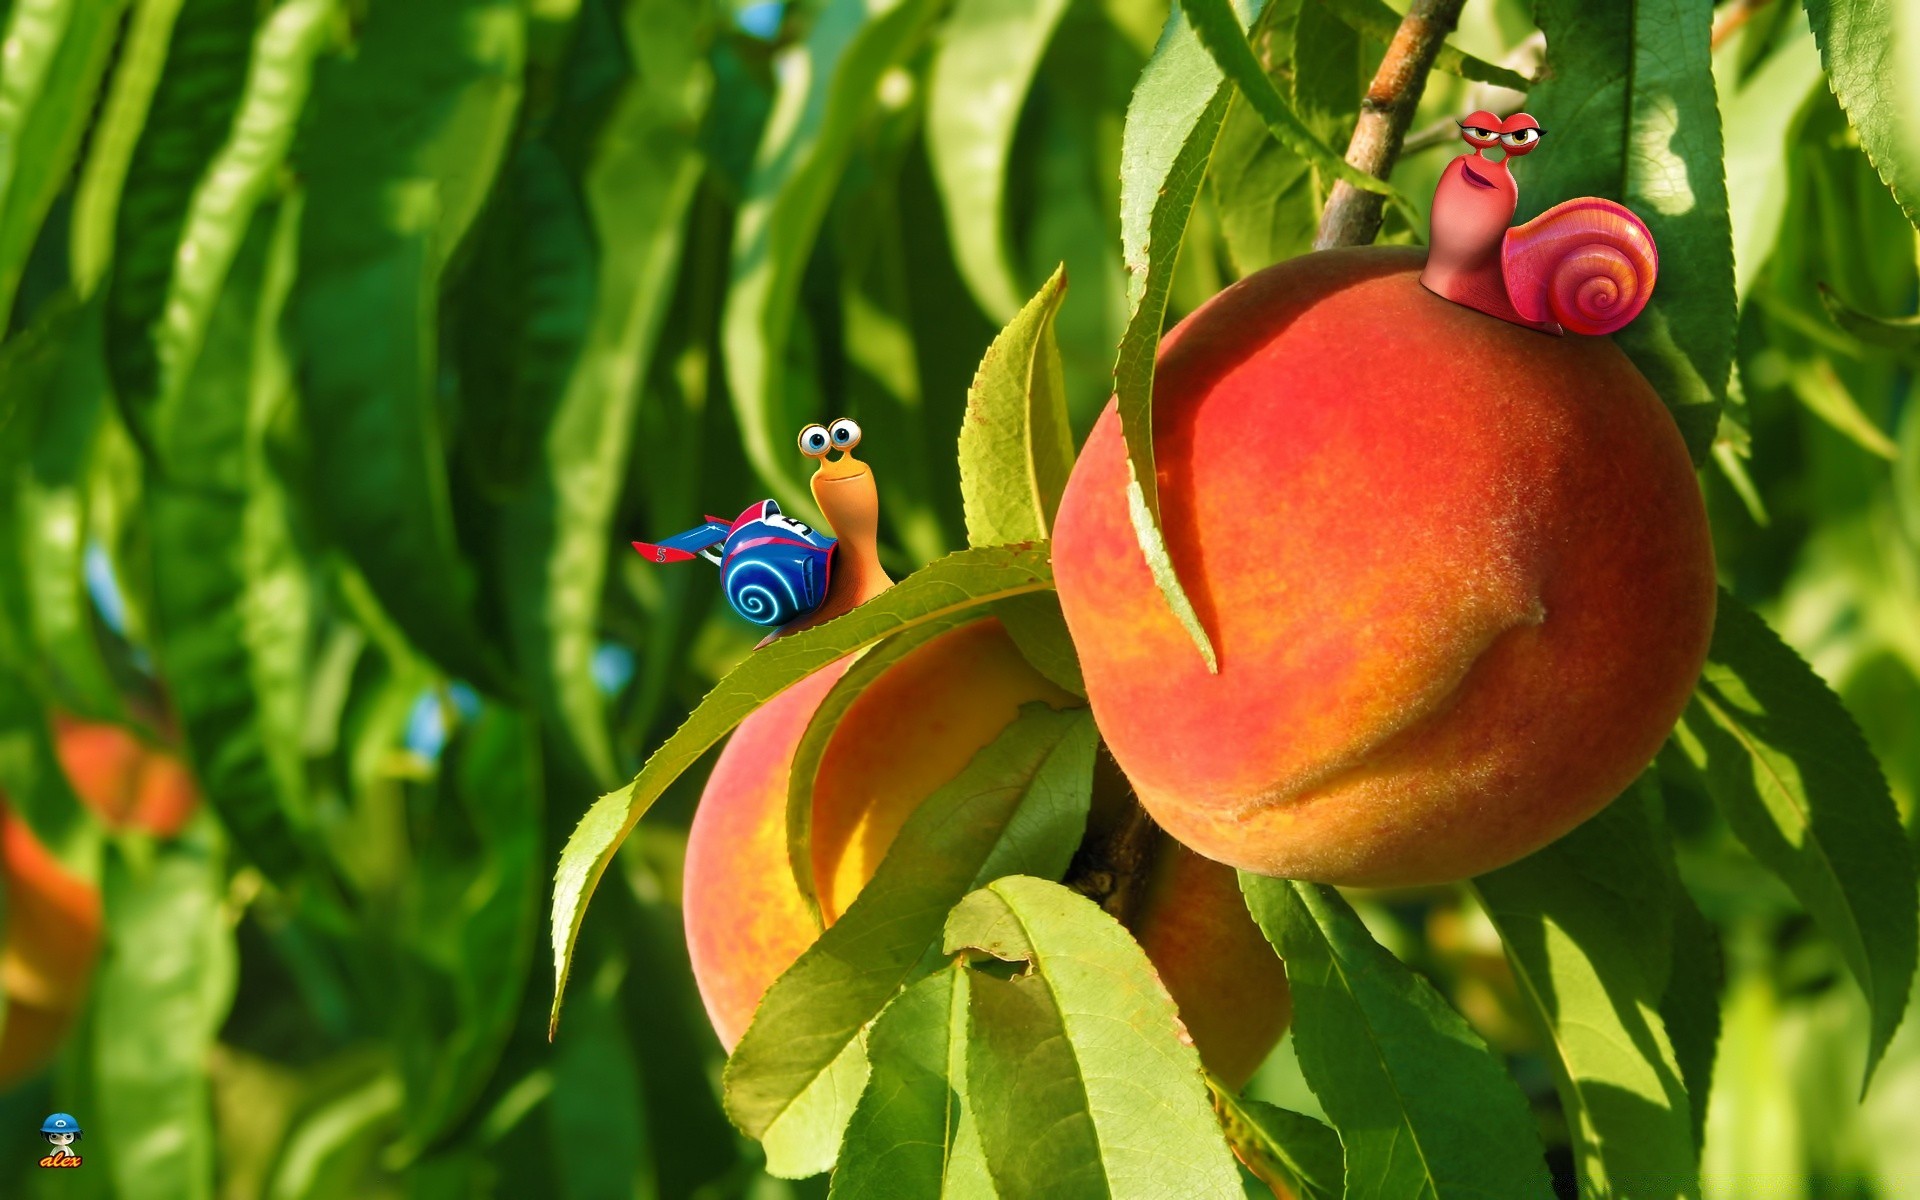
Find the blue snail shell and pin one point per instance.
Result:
(775, 569)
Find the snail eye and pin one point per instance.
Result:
(846, 434)
(1478, 136)
(814, 441)
(1520, 139)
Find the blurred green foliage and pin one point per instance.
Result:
(349, 341)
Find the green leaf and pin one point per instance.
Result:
(165, 984)
(1086, 1086)
(805, 1138)
(1283, 1149)
(1220, 30)
(1015, 447)
(637, 191)
(1691, 1007)
(1039, 629)
(957, 583)
(1826, 395)
(1628, 96)
(1587, 924)
(1788, 766)
(989, 53)
(1264, 192)
(1173, 121)
(1379, 21)
(397, 155)
(1899, 334)
(827, 86)
(1760, 126)
(1020, 806)
(1422, 1108)
(913, 1134)
(195, 185)
(56, 52)
(1871, 50)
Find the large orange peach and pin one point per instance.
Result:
(909, 732)
(1457, 573)
(52, 939)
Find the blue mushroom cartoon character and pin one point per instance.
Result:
(62, 1131)
(780, 572)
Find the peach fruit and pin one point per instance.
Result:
(52, 939)
(1457, 573)
(908, 733)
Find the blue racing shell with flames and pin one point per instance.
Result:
(773, 568)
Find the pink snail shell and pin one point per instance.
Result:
(1588, 264)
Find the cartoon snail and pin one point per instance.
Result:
(777, 571)
(1586, 265)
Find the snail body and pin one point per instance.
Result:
(1586, 265)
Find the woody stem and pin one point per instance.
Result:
(1352, 216)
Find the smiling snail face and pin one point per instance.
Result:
(844, 489)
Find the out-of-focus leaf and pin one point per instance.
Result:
(956, 583)
(1691, 1007)
(1422, 1108)
(1827, 396)
(912, 1134)
(165, 984)
(1015, 447)
(828, 84)
(1872, 54)
(194, 185)
(326, 1152)
(1086, 1086)
(1787, 765)
(1759, 122)
(1292, 1154)
(1019, 807)
(597, 1099)
(397, 156)
(1173, 121)
(1900, 334)
(989, 52)
(1587, 924)
(1224, 36)
(1039, 629)
(637, 191)
(1380, 22)
(1629, 97)
(221, 587)
(472, 913)
(57, 50)
(1753, 1128)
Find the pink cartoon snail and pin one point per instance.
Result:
(1585, 266)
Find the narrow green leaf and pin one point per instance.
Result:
(1826, 395)
(1094, 1092)
(989, 53)
(1788, 766)
(56, 52)
(1587, 924)
(165, 984)
(1872, 54)
(957, 583)
(1379, 21)
(913, 1134)
(1899, 334)
(1225, 38)
(826, 718)
(1628, 99)
(1019, 806)
(1691, 1007)
(1172, 123)
(637, 191)
(1293, 1154)
(397, 156)
(194, 186)
(1422, 1108)
(827, 85)
(1016, 449)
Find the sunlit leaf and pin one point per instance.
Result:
(1284, 1149)
(1019, 807)
(1094, 1091)
(1039, 629)
(1587, 924)
(1015, 446)
(1787, 765)
(1380, 22)
(1422, 1108)
(1872, 55)
(957, 583)
(989, 52)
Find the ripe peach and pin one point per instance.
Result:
(1457, 573)
(52, 938)
(909, 732)
(124, 780)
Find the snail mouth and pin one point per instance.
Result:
(1474, 177)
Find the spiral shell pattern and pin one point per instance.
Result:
(768, 590)
(1588, 264)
